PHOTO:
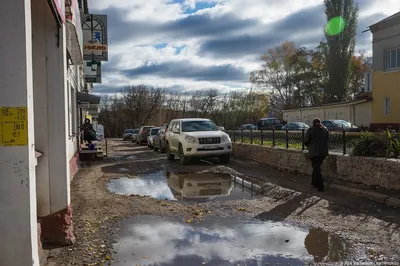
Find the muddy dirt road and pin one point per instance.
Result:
(137, 208)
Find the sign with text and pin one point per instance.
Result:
(92, 71)
(13, 126)
(95, 39)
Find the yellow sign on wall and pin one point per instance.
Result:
(13, 126)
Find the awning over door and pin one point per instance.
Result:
(90, 98)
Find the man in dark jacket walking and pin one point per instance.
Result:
(316, 140)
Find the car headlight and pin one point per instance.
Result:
(190, 139)
(225, 138)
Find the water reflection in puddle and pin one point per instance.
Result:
(199, 187)
(146, 240)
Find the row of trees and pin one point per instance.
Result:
(299, 77)
(142, 105)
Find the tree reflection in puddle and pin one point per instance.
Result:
(147, 240)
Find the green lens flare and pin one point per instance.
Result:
(335, 26)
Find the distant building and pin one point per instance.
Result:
(357, 112)
(386, 72)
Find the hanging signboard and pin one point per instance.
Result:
(95, 42)
(92, 71)
(84, 105)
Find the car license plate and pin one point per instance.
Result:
(210, 147)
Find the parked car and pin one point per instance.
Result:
(134, 135)
(159, 139)
(127, 135)
(248, 127)
(143, 134)
(150, 138)
(269, 123)
(295, 126)
(339, 125)
(197, 137)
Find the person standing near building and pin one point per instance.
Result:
(316, 140)
(89, 134)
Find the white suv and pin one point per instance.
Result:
(197, 137)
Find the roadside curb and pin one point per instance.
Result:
(371, 195)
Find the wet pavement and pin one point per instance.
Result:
(150, 240)
(196, 187)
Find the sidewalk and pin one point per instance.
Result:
(348, 190)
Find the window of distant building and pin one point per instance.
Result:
(387, 105)
(392, 59)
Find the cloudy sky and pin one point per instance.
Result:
(191, 44)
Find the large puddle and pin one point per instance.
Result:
(198, 187)
(147, 240)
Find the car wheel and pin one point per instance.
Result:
(224, 159)
(170, 155)
(182, 158)
(155, 148)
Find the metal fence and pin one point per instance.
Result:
(340, 142)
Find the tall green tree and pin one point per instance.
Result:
(340, 48)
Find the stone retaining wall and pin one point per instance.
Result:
(369, 171)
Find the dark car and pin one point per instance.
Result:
(340, 125)
(269, 123)
(143, 134)
(295, 126)
(248, 127)
(159, 139)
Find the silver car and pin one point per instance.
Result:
(159, 139)
(150, 138)
(134, 135)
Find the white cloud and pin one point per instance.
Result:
(136, 52)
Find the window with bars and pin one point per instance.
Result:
(392, 59)
(72, 111)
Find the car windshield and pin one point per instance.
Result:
(300, 124)
(340, 123)
(128, 131)
(271, 121)
(154, 131)
(193, 126)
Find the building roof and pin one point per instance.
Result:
(86, 97)
(387, 19)
(356, 101)
(192, 119)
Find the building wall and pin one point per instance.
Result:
(358, 114)
(384, 39)
(363, 114)
(18, 222)
(386, 84)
